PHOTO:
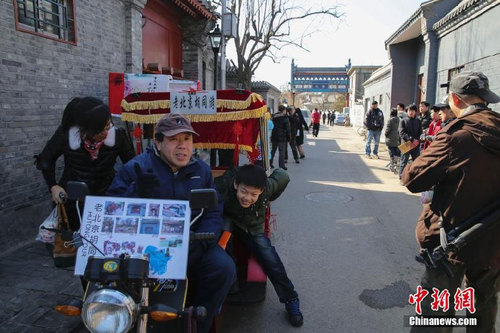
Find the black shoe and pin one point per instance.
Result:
(297, 161)
(302, 156)
(272, 166)
(286, 161)
(284, 168)
(295, 317)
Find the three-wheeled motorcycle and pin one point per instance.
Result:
(239, 125)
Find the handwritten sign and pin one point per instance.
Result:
(157, 229)
(199, 102)
(135, 83)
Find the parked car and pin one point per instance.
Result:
(340, 118)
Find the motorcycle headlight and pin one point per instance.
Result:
(109, 311)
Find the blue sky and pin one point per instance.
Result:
(359, 36)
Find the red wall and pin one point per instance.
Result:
(161, 35)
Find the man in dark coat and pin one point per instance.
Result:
(374, 121)
(294, 120)
(409, 130)
(425, 115)
(168, 170)
(392, 136)
(462, 166)
(280, 136)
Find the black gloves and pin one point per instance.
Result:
(146, 182)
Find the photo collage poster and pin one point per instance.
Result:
(158, 229)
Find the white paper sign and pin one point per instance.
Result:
(158, 229)
(199, 102)
(136, 83)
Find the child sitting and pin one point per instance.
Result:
(246, 192)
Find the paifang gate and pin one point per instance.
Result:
(320, 79)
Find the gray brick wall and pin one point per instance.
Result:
(196, 49)
(469, 45)
(38, 77)
(490, 66)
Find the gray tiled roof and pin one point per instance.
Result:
(464, 7)
(263, 85)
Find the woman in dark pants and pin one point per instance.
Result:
(280, 136)
(299, 139)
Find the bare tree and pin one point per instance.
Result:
(264, 28)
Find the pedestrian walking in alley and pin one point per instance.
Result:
(409, 130)
(324, 117)
(332, 119)
(316, 116)
(374, 121)
(299, 139)
(392, 138)
(461, 166)
(293, 118)
(280, 136)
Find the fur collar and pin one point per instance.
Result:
(75, 140)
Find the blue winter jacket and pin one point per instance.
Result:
(196, 175)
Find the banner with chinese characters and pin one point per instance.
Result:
(196, 102)
(158, 229)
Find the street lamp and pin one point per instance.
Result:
(215, 38)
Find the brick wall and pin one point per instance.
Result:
(488, 65)
(38, 77)
(196, 50)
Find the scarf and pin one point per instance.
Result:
(92, 148)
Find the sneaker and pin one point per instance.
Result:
(376, 156)
(368, 156)
(293, 310)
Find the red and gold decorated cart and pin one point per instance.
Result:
(239, 123)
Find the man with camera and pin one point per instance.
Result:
(461, 166)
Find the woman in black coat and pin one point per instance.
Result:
(90, 145)
(299, 139)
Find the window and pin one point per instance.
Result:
(451, 73)
(54, 19)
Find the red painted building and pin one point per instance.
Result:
(162, 33)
